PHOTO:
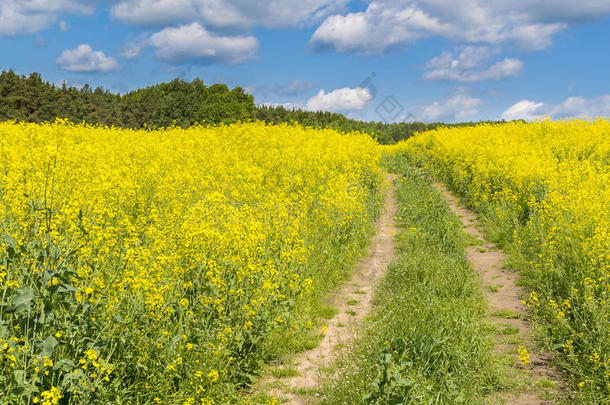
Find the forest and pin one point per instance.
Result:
(178, 102)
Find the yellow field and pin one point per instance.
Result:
(545, 188)
(162, 266)
(166, 266)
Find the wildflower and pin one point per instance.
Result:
(524, 356)
(213, 375)
(51, 397)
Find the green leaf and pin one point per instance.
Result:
(3, 331)
(28, 389)
(46, 276)
(175, 340)
(9, 240)
(21, 300)
(24, 296)
(65, 365)
(47, 346)
(18, 374)
(66, 288)
(11, 252)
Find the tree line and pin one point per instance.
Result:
(181, 103)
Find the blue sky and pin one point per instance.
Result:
(374, 60)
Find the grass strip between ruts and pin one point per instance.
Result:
(426, 340)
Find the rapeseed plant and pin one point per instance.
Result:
(545, 187)
(152, 266)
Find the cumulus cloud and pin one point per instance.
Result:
(193, 43)
(29, 16)
(524, 110)
(471, 65)
(459, 106)
(345, 99)
(572, 107)
(84, 59)
(225, 13)
(154, 12)
(580, 107)
(390, 23)
(135, 47)
(380, 27)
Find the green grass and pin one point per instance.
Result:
(283, 372)
(554, 271)
(509, 331)
(334, 254)
(326, 312)
(472, 240)
(426, 340)
(494, 288)
(505, 313)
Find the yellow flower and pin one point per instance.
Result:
(545, 185)
(51, 397)
(524, 356)
(163, 228)
(91, 354)
(47, 362)
(213, 375)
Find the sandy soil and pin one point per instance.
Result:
(503, 294)
(353, 302)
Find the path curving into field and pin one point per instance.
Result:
(353, 301)
(507, 314)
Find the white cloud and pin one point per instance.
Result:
(535, 37)
(390, 23)
(373, 31)
(470, 65)
(572, 107)
(523, 110)
(345, 99)
(84, 59)
(134, 48)
(580, 107)
(458, 107)
(238, 14)
(19, 17)
(63, 26)
(154, 12)
(196, 44)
